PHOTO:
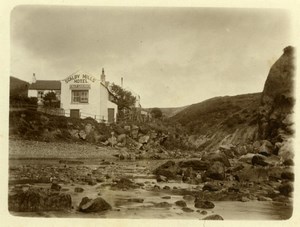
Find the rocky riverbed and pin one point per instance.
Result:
(70, 180)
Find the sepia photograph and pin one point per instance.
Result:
(122, 112)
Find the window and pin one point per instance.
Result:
(80, 96)
(40, 94)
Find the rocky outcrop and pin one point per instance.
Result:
(277, 100)
(93, 205)
(35, 200)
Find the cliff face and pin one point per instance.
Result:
(275, 120)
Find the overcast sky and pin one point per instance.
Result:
(169, 56)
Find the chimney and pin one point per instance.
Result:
(103, 76)
(33, 78)
(121, 81)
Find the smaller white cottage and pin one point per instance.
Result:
(38, 88)
(83, 95)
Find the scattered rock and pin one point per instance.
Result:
(217, 157)
(286, 189)
(211, 187)
(203, 212)
(258, 161)
(136, 200)
(287, 176)
(93, 205)
(195, 164)
(166, 197)
(288, 162)
(55, 187)
(216, 171)
(160, 178)
(204, 204)
(35, 200)
(125, 184)
(244, 199)
(163, 205)
(187, 209)
(166, 187)
(77, 189)
(213, 217)
(180, 203)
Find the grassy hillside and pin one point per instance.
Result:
(230, 117)
(18, 87)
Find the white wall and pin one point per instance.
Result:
(32, 93)
(97, 106)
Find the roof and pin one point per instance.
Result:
(45, 85)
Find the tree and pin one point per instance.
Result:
(156, 112)
(124, 98)
(50, 99)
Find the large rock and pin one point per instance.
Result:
(217, 156)
(93, 205)
(195, 164)
(258, 161)
(286, 189)
(277, 99)
(168, 169)
(266, 148)
(213, 217)
(144, 139)
(204, 204)
(216, 171)
(34, 200)
(121, 139)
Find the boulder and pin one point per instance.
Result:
(38, 200)
(136, 200)
(144, 139)
(163, 205)
(125, 183)
(287, 176)
(93, 205)
(286, 189)
(204, 204)
(258, 161)
(82, 134)
(228, 150)
(78, 190)
(266, 148)
(211, 187)
(216, 171)
(288, 162)
(247, 158)
(122, 139)
(160, 178)
(55, 187)
(217, 156)
(286, 150)
(187, 209)
(180, 203)
(195, 164)
(213, 217)
(134, 132)
(168, 169)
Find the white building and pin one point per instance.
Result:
(38, 88)
(82, 95)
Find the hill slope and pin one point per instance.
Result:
(18, 87)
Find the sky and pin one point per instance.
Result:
(171, 57)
